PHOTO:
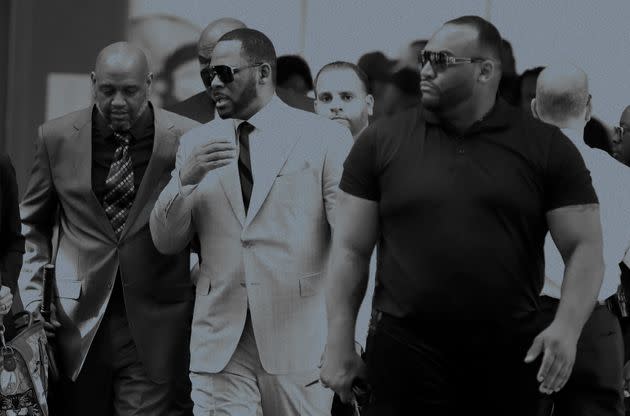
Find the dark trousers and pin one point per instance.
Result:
(435, 369)
(596, 383)
(113, 380)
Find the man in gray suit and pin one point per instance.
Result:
(123, 310)
(258, 187)
(200, 106)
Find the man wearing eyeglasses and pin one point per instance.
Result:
(200, 106)
(459, 193)
(595, 385)
(258, 187)
(621, 140)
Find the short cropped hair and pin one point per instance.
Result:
(562, 106)
(255, 46)
(346, 65)
(289, 65)
(489, 36)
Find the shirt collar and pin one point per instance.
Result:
(267, 117)
(142, 127)
(498, 117)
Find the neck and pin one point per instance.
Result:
(256, 105)
(464, 115)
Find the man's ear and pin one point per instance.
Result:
(534, 110)
(589, 109)
(488, 70)
(369, 100)
(149, 82)
(265, 73)
(93, 80)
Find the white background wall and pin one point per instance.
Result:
(594, 35)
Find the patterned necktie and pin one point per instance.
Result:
(244, 162)
(121, 190)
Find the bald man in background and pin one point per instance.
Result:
(595, 385)
(200, 106)
(122, 316)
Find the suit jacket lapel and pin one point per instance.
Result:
(163, 143)
(228, 175)
(271, 157)
(81, 146)
(231, 184)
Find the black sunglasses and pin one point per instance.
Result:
(224, 72)
(442, 60)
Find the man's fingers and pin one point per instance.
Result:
(551, 379)
(534, 351)
(219, 155)
(545, 366)
(215, 147)
(562, 379)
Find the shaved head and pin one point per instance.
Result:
(122, 56)
(121, 83)
(625, 115)
(213, 32)
(562, 95)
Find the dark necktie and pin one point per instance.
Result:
(244, 162)
(121, 190)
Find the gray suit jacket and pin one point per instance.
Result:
(157, 289)
(270, 260)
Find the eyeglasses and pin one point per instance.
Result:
(442, 60)
(224, 72)
(620, 131)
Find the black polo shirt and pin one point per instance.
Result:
(462, 218)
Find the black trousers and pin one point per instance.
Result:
(596, 383)
(113, 380)
(434, 369)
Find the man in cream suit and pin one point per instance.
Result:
(263, 211)
(123, 311)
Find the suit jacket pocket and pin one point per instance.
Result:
(68, 288)
(310, 284)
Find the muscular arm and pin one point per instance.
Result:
(576, 231)
(356, 231)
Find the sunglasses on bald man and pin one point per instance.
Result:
(442, 60)
(224, 72)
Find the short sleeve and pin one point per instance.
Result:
(567, 179)
(360, 176)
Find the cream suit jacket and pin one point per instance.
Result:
(270, 260)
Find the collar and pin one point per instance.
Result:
(267, 117)
(498, 117)
(142, 127)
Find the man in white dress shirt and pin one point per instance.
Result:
(595, 385)
(263, 211)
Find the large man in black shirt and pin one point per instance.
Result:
(459, 195)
